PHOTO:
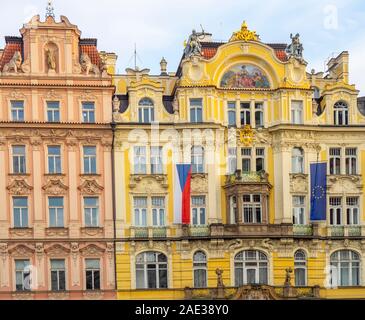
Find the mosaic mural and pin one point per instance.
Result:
(245, 76)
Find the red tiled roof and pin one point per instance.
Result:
(281, 55)
(210, 49)
(209, 53)
(92, 52)
(10, 49)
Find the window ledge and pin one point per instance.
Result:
(90, 175)
(55, 175)
(19, 174)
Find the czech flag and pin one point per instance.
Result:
(182, 191)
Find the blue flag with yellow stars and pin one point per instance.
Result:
(318, 172)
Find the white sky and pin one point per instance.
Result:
(159, 27)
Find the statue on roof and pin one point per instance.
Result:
(193, 46)
(244, 34)
(295, 49)
(15, 63)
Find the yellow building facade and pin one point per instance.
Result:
(250, 119)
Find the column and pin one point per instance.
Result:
(120, 188)
(36, 171)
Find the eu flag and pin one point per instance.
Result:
(318, 173)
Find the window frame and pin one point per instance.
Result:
(341, 113)
(92, 210)
(57, 209)
(88, 115)
(296, 112)
(200, 209)
(93, 271)
(56, 159)
(88, 159)
(260, 263)
(299, 209)
(24, 275)
(146, 110)
(297, 161)
(197, 159)
(20, 158)
(21, 209)
(58, 271)
(350, 261)
(196, 110)
(52, 111)
(253, 205)
(300, 264)
(17, 110)
(200, 267)
(158, 267)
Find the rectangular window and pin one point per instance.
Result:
(54, 159)
(58, 275)
(140, 211)
(232, 160)
(196, 110)
(299, 210)
(351, 160)
(22, 275)
(335, 160)
(20, 211)
(156, 160)
(260, 159)
(53, 111)
(245, 113)
(90, 160)
(259, 115)
(352, 211)
(246, 159)
(231, 113)
(91, 210)
(198, 210)
(17, 111)
(92, 274)
(158, 211)
(197, 159)
(335, 210)
(140, 160)
(19, 164)
(55, 206)
(297, 112)
(88, 112)
(252, 210)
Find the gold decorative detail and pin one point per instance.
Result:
(246, 135)
(244, 34)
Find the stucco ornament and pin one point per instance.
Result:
(14, 65)
(244, 34)
(87, 66)
(246, 135)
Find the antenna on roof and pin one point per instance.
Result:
(135, 57)
(50, 10)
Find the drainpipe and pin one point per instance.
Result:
(113, 127)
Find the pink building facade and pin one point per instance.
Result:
(56, 201)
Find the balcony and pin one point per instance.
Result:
(302, 230)
(148, 232)
(247, 177)
(344, 231)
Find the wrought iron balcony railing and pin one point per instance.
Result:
(248, 177)
(303, 229)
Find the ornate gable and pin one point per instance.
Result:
(19, 187)
(55, 187)
(90, 187)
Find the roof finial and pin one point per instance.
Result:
(50, 10)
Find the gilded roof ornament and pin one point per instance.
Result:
(245, 34)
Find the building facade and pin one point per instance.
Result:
(87, 171)
(56, 217)
(250, 119)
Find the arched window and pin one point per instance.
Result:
(345, 268)
(197, 159)
(146, 112)
(341, 113)
(250, 267)
(200, 269)
(297, 158)
(300, 268)
(151, 270)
